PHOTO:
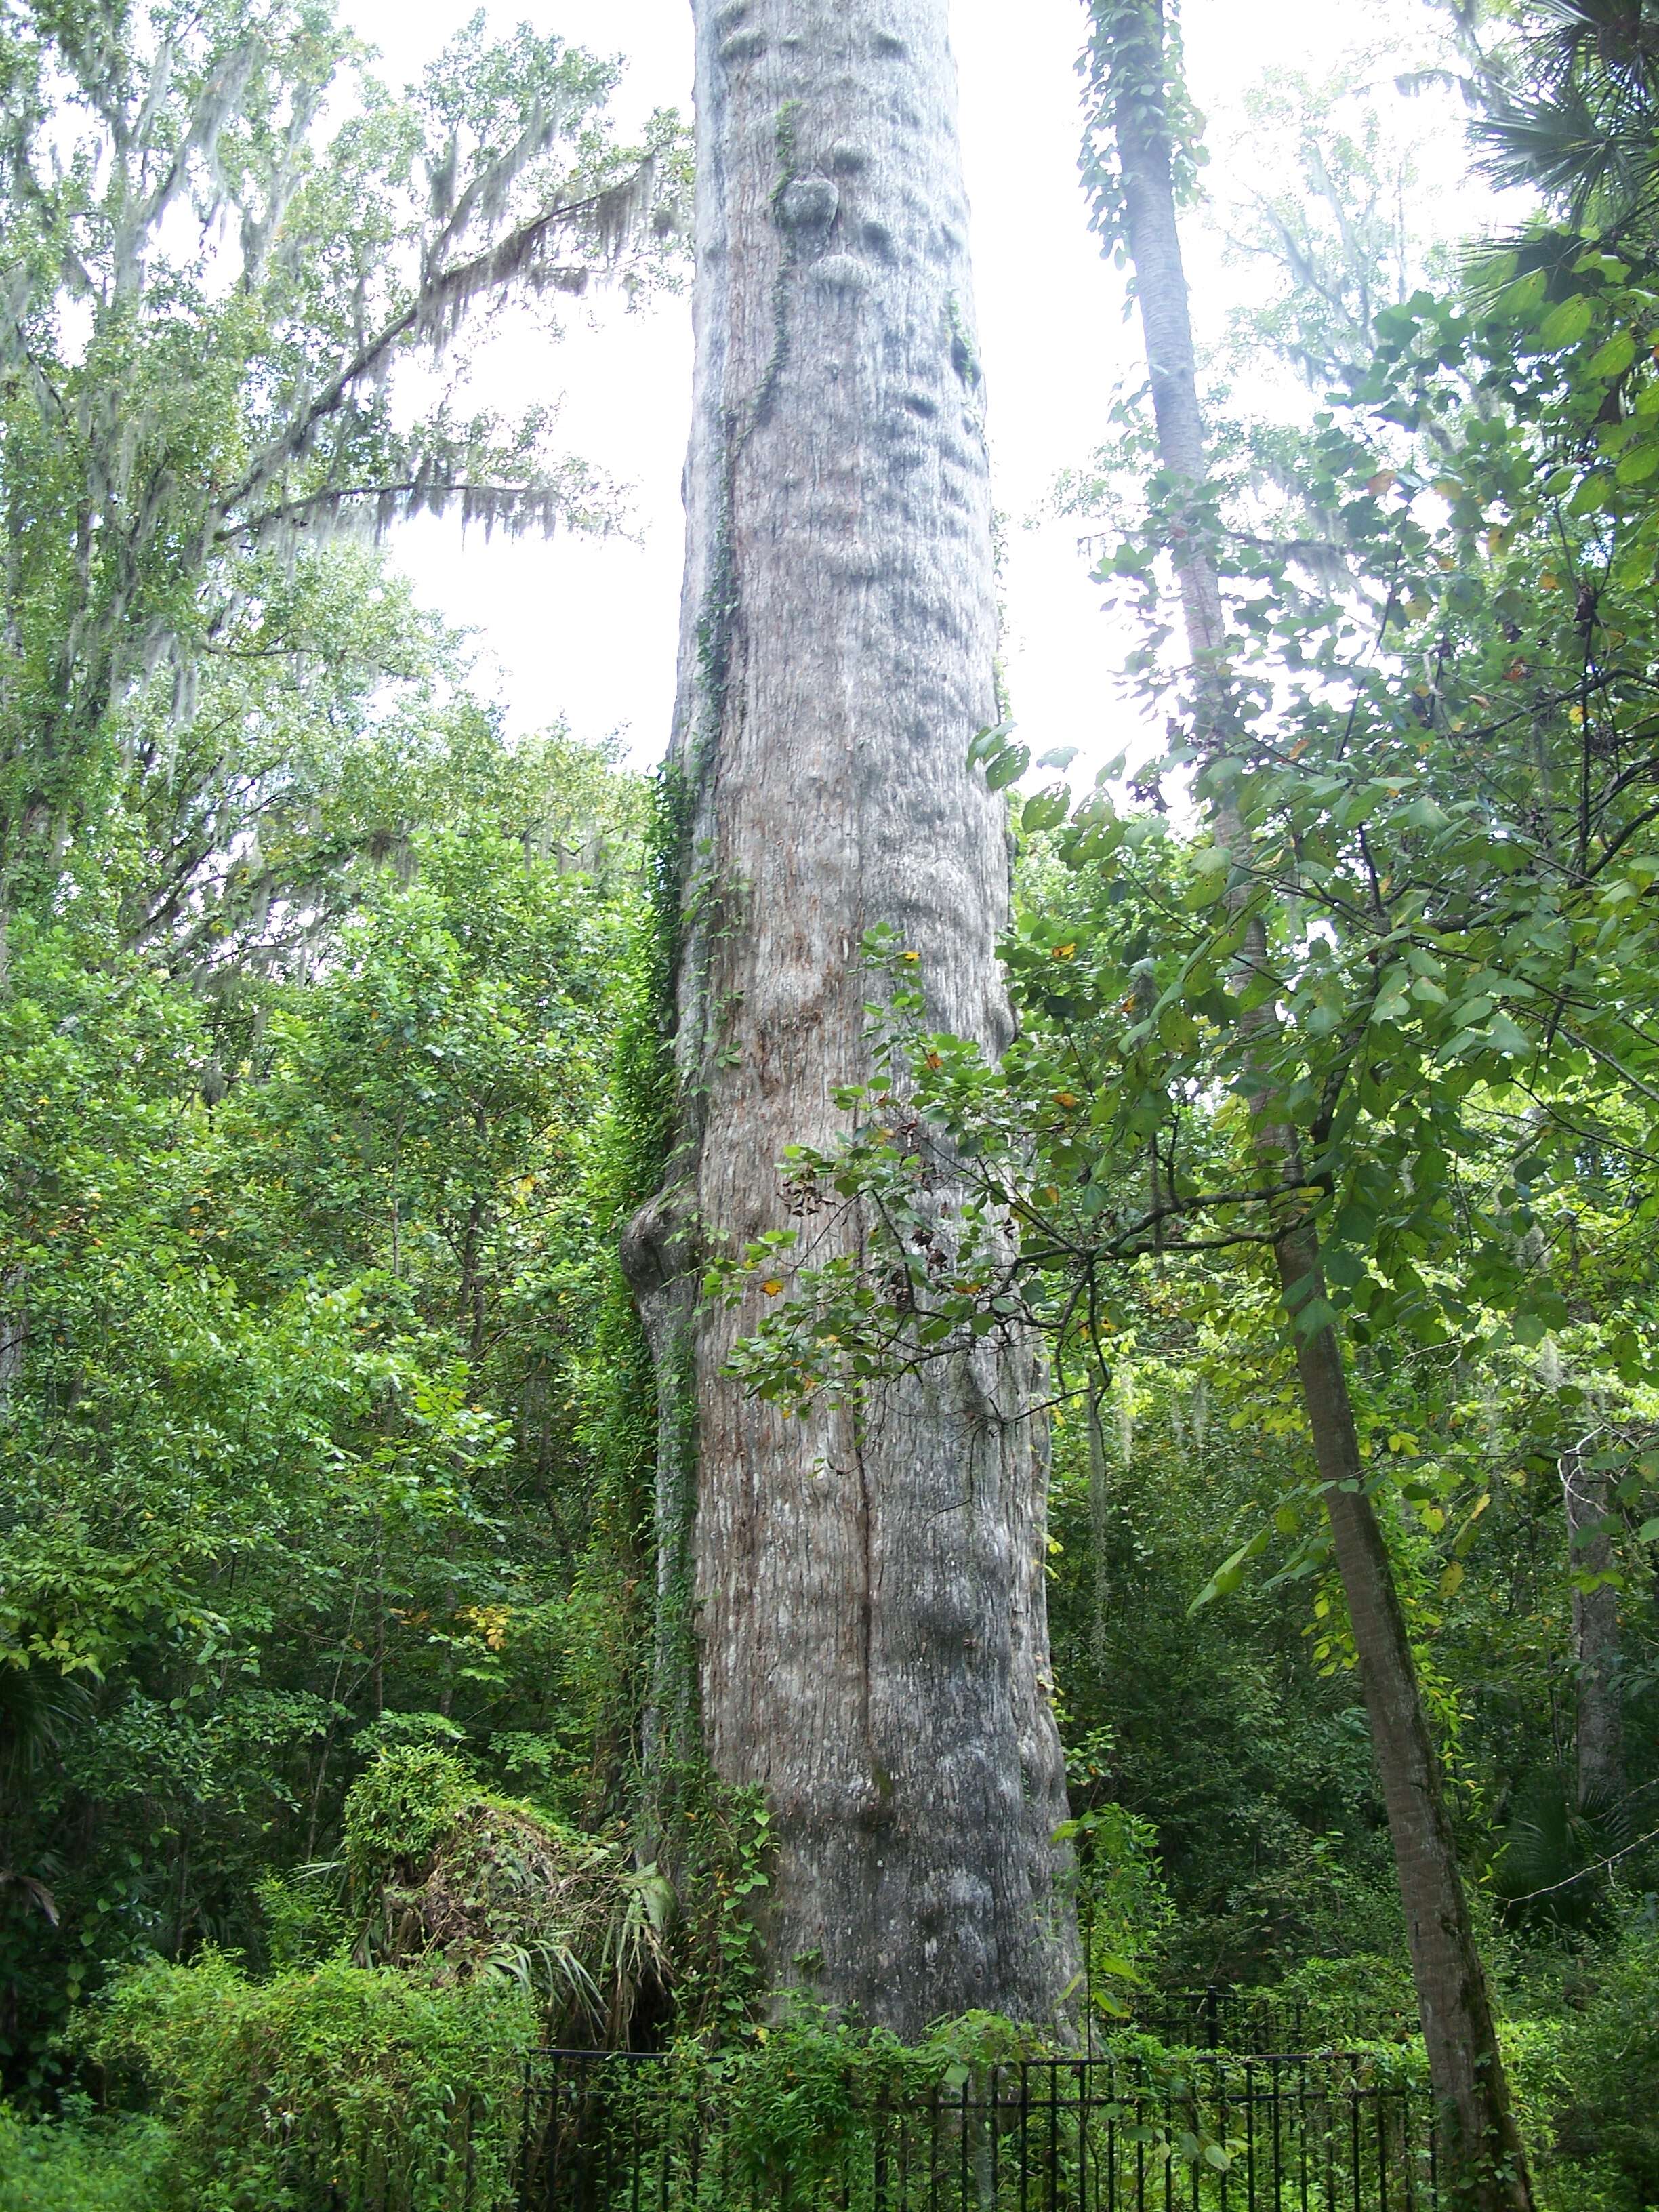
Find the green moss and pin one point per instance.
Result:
(964, 357)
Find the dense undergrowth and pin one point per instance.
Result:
(339, 2083)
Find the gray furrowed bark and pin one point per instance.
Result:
(869, 1628)
(1598, 1736)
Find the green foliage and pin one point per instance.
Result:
(1133, 64)
(398, 1812)
(811, 2110)
(1427, 942)
(307, 978)
(1218, 1730)
(303, 1917)
(787, 2102)
(457, 1880)
(358, 2081)
(1570, 110)
(1366, 1997)
(336, 1046)
(785, 2106)
(296, 1443)
(81, 2163)
(253, 273)
(1609, 2061)
(1123, 1903)
(723, 1844)
(1440, 650)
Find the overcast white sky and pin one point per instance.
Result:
(586, 630)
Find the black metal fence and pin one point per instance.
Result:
(1119, 2133)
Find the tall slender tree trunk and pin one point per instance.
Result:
(14, 1328)
(1600, 1732)
(852, 1611)
(1486, 2160)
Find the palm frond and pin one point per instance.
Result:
(1583, 128)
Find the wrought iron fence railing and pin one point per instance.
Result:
(1119, 2133)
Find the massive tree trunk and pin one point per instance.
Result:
(861, 1600)
(1600, 1734)
(1485, 2158)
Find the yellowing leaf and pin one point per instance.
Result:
(772, 1287)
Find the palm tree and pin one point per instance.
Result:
(1574, 113)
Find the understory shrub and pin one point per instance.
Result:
(81, 2163)
(1583, 2070)
(1124, 1907)
(450, 1877)
(346, 2084)
(1366, 1997)
(1609, 2063)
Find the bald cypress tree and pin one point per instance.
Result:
(853, 1610)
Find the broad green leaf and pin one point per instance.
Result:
(1613, 358)
(1510, 1037)
(1317, 1314)
(1525, 296)
(1639, 464)
(1045, 811)
(1566, 324)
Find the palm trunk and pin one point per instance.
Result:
(1600, 1735)
(861, 1600)
(1486, 2158)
